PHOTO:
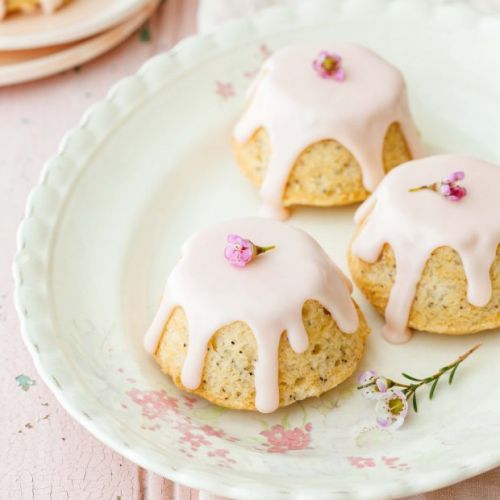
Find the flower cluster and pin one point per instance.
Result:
(392, 404)
(329, 65)
(392, 397)
(240, 251)
(448, 187)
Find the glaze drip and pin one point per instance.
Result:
(414, 224)
(268, 295)
(299, 108)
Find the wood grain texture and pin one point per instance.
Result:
(44, 454)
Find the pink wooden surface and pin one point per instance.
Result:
(44, 454)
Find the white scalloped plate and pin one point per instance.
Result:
(77, 20)
(152, 163)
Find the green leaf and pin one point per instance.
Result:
(415, 407)
(409, 377)
(433, 388)
(452, 374)
(144, 33)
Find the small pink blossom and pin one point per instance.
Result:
(448, 187)
(392, 409)
(372, 386)
(329, 65)
(454, 177)
(240, 251)
(281, 440)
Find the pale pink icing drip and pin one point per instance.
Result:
(268, 295)
(299, 108)
(415, 224)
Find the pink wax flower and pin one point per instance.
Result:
(329, 65)
(392, 397)
(240, 251)
(392, 409)
(448, 187)
(372, 386)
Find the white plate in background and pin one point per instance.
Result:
(77, 20)
(26, 65)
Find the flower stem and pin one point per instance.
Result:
(432, 187)
(412, 388)
(261, 250)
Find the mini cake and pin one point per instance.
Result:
(12, 6)
(250, 327)
(322, 128)
(427, 249)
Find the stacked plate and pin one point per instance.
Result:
(36, 45)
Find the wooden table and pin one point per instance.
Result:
(44, 454)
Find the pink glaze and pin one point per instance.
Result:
(415, 224)
(268, 295)
(299, 108)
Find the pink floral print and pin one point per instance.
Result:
(225, 90)
(281, 440)
(361, 462)
(369, 462)
(157, 406)
(222, 454)
(154, 404)
(194, 440)
(394, 463)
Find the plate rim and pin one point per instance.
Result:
(46, 201)
(84, 29)
(37, 68)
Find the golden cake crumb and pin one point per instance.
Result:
(325, 173)
(228, 374)
(440, 303)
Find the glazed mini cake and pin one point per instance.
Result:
(13, 6)
(427, 248)
(251, 330)
(323, 128)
